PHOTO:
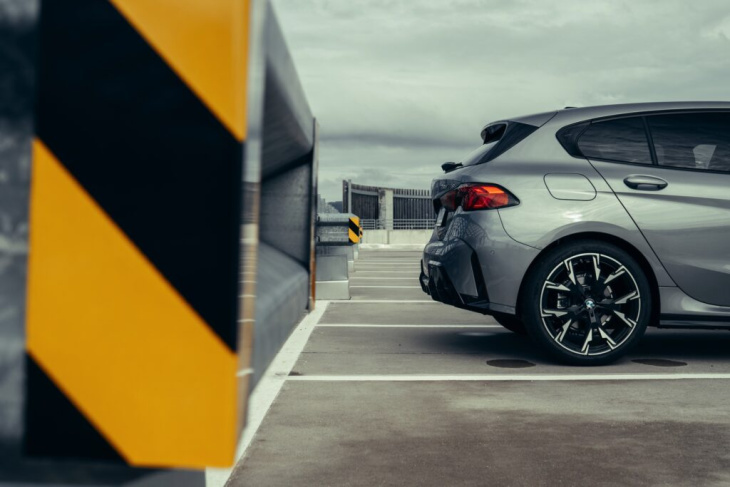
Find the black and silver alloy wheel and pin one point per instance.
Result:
(589, 303)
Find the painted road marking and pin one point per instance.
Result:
(268, 388)
(382, 272)
(386, 278)
(505, 377)
(372, 301)
(387, 287)
(368, 325)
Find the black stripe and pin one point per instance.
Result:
(53, 425)
(353, 226)
(146, 149)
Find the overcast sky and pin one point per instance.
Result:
(400, 86)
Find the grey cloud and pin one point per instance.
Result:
(426, 75)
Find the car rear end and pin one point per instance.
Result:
(470, 260)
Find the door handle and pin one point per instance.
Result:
(645, 183)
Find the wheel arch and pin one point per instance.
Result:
(611, 239)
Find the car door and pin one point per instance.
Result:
(675, 184)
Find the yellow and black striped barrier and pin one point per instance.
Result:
(144, 217)
(354, 230)
(132, 333)
(337, 229)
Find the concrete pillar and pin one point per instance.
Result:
(349, 197)
(385, 208)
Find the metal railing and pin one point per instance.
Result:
(398, 224)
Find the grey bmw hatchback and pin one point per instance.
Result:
(581, 227)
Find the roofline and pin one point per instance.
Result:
(569, 115)
(574, 115)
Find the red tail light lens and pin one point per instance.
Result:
(478, 197)
(484, 197)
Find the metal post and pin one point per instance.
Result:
(349, 197)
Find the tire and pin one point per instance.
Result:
(579, 319)
(511, 322)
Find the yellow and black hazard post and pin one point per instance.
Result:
(132, 307)
(144, 229)
(354, 230)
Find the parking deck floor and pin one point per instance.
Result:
(392, 388)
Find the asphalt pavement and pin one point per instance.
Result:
(392, 388)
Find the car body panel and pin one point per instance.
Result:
(502, 260)
(687, 223)
(506, 250)
(569, 186)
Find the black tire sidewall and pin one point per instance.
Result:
(511, 323)
(531, 306)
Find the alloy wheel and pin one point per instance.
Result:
(590, 304)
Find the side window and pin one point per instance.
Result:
(622, 140)
(692, 140)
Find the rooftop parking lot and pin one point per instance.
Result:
(392, 388)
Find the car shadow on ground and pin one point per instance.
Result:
(702, 345)
(687, 344)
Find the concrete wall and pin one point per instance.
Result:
(396, 237)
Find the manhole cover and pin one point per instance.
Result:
(510, 363)
(659, 362)
(476, 333)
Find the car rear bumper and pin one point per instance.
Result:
(439, 286)
(476, 265)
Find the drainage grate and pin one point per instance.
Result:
(659, 362)
(510, 363)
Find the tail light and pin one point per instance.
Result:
(473, 196)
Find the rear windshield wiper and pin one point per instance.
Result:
(450, 166)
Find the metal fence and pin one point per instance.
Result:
(373, 202)
(398, 224)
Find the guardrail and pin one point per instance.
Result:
(399, 224)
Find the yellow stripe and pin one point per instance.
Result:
(205, 43)
(118, 339)
(354, 238)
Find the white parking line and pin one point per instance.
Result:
(357, 271)
(268, 388)
(386, 278)
(372, 301)
(385, 261)
(367, 325)
(505, 377)
(387, 287)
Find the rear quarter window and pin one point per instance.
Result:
(621, 140)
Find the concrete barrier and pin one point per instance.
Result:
(188, 257)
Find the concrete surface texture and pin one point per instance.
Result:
(394, 389)
(397, 237)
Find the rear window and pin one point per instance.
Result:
(498, 139)
(622, 140)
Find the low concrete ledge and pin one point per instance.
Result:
(396, 237)
(384, 247)
(332, 290)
